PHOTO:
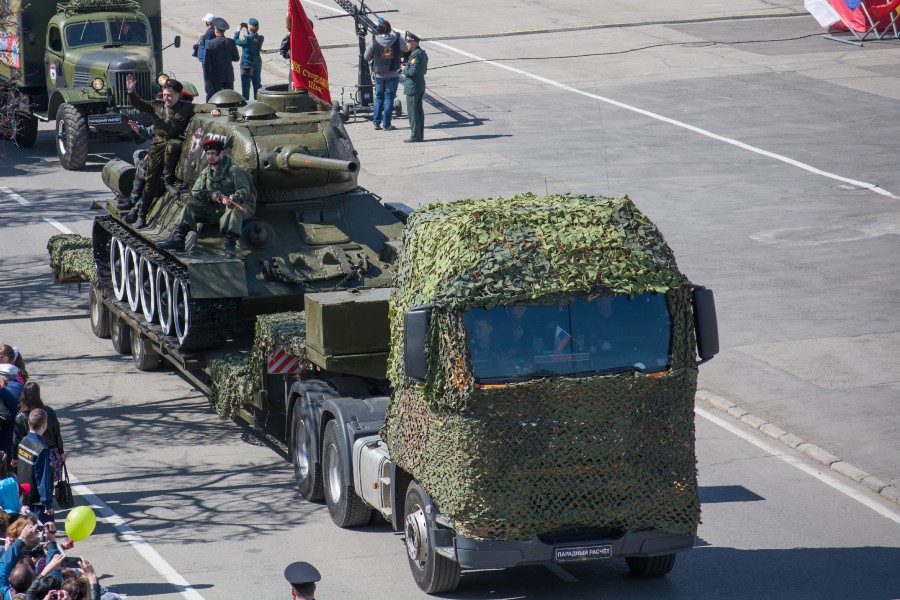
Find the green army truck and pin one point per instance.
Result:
(67, 63)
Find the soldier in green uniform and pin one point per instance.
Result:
(171, 116)
(223, 194)
(414, 87)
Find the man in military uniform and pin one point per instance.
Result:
(223, 194)
(221, 51)
(171, 116)
(303, 577)
(414, 87)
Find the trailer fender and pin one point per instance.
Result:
(356, 417)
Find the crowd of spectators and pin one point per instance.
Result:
(33, 565)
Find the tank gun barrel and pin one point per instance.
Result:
(293, 158)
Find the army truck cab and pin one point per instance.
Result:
(537, 406)
(69, 63)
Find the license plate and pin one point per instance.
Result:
(100, 120)
(581, 553)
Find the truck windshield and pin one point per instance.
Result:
(606, 335)
(128, 32)
(86, 34)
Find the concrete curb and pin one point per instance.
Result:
(889, 491)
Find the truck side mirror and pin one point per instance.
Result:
(705, 324)
(177, 41)
(415, 328)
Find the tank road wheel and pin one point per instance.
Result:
(117, 267)
(433, 573)
(132, 288)
(120, 334)
(307, 472)
(147, 288)
(650, 566)
(398, 107)
(71, 137)
(164, 300)
(99, 314)
(345, 507)
(25, 130)
(181, 310)
(144, 356)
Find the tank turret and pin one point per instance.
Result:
(314, 229)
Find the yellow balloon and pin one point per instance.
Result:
(80, 523)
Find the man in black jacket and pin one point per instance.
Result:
(221, 51)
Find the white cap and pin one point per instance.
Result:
(209, 18)
(10, 371)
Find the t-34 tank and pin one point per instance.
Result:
(314, 228)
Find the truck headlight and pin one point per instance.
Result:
(98, 84)
(161, 79)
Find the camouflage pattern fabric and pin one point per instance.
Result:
(554, 454)
(71, 258)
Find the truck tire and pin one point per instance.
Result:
(99, 313)
(433, 573)
(650, 566)
(120, 334)
(71, 137)
(142, 353)
(307, 471)
(345, 507)
(26, 128)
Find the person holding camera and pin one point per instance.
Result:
(248, 38)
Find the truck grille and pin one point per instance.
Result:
(120, 92)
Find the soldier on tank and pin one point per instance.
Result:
(171, 116)
(223, 194)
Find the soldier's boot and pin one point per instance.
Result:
(132, 215)
(231, 245)
(141, 221)
(126, 203)
(169, 181)
(176, 241)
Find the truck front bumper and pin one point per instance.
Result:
(489, 554)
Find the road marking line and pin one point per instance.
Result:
(58, 225)
(822, 475)
(137, 542)
(795, 163)
(15, 196)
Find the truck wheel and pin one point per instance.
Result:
(398, 107)
(650, 566)
(142, 353)
(345, 507)
(71, 137)
(120, 334)
(26, 128)
(307, 471)
(99, 314)
(434, 574)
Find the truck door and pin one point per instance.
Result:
(53, 59)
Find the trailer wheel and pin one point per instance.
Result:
(307, 471)
(99, 314)
(120, 334)
(398, 107)
(345, 507)
(25, 128)
(434, 574)
(71, 137)
(144, 356)
(650, 566)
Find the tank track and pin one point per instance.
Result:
(210, 319)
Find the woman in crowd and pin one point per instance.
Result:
(10, 355)
(30, 400)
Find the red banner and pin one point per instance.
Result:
(308, 68)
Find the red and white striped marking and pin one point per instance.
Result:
(281, 362)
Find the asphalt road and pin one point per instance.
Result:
(802, 264)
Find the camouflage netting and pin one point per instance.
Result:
(71, 258)
(235, 378)
(510, 462)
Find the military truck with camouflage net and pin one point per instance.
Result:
(67, 63)
(538, 402)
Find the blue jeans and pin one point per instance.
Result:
(385, 92)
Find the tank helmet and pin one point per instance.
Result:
(227, 99)
(258, 111)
